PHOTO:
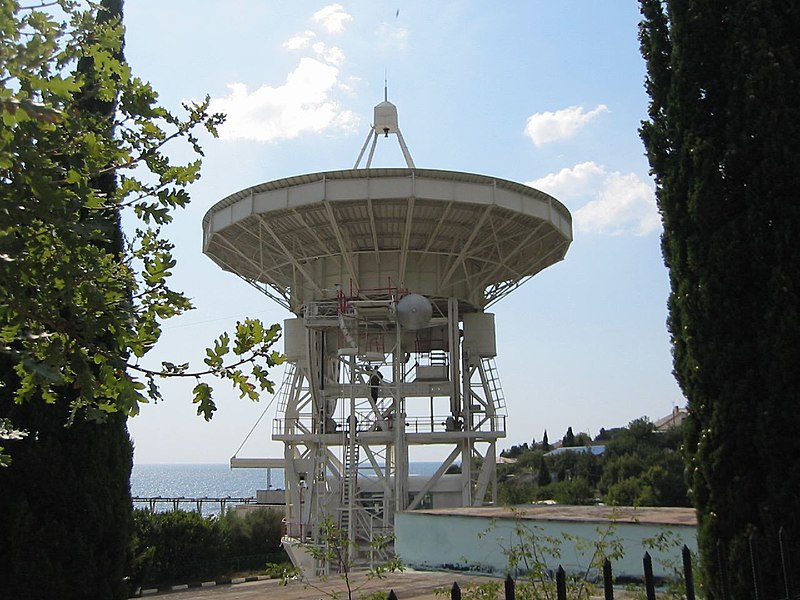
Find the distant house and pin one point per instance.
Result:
(596, 449)
(674, 419)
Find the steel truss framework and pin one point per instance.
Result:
(347, 438)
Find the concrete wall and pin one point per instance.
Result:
(476, 543)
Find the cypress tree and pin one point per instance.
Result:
(543, 478)
(65, 509)
(569, 439)
(723, 141)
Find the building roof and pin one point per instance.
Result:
(674, 419)
(656, 515)
(596, 449)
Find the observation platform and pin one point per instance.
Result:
(418, 431)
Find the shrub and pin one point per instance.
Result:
(257, 532)
(182, 547)
(574, 491)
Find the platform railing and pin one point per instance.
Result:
(304, 425)
(322, 313)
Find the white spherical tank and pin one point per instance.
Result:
(414, 311)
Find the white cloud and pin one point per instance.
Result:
(562, 124)
(300, 40)
(303, 104)
(579, 181)
(332, 17)
(614, 203)
(332, 55)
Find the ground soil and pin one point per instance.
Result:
(408, 585)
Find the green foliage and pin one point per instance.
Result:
(571, 465)
(65, 505)
(7, 432)
(183, 544)
(643, 467)
(529, 459)
(257, 532)
(518, 482)
(575, 491)
(722, 141)
(511, 493)
(82, 141)
(640, 467)
(569, 439)
(544, 477)
(77, 300)
(78, 552)
(180, 546)
(515, 451)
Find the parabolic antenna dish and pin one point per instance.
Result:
(442, 234)
(414, 311)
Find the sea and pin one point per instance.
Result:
(213, 481)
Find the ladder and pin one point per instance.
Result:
(349, 481)
(493, 385)
(286, 387)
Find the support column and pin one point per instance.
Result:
(454, 343)
(398, 409)
(351, 464)
(468, 443)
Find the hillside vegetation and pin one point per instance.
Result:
(638, 466)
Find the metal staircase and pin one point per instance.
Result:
(493, 385)
(286, 387)
(349, 483)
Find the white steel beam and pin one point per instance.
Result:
(344, 249)
(290, 255)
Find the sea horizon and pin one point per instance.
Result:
(216, 480)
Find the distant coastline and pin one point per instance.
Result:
(217, 480)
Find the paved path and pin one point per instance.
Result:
(408, 585)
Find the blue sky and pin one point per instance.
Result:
(545, 93)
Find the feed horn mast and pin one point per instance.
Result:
(388, 272)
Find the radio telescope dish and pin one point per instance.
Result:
(375, 372)
(414, 311)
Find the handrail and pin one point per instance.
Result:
(430, 424)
